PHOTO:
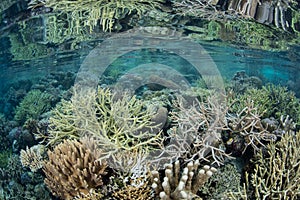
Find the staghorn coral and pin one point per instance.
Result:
(198, 129)
(74, 168)
(277, 170)
(33, 157)
(248, 125)
(116, 123)
(130, 165)
(181, 186)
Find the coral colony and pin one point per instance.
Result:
(59, 141)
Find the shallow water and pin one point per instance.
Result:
(271, 67)
(149, 65)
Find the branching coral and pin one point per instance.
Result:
(129, 192)
(131, 165)
(198, 129)
(32, 157)
(270, 101)
(247, 124)
(33, 105)
(277, 170)
(74, 168)
(116, 123)
(184, 185)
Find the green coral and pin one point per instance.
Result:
(117, 122)
(225, 181)
(270, 101)
(277, 170)
(33, 105)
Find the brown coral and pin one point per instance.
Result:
(142, 192)
(74, 168)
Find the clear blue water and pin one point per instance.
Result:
(271, 67)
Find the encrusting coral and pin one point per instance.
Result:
(181, 185)
(74, 168)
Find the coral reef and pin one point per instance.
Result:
(33, 105)
(129, 192)
(74, 168)
(19, 184)
(277, 170)
(225, 181)
(242, 82)
(33, 157)
(185, 185)
(198, 129)
(271, 101)
(117, 123)
(248, 125)
(92, 195)
(20, 138)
